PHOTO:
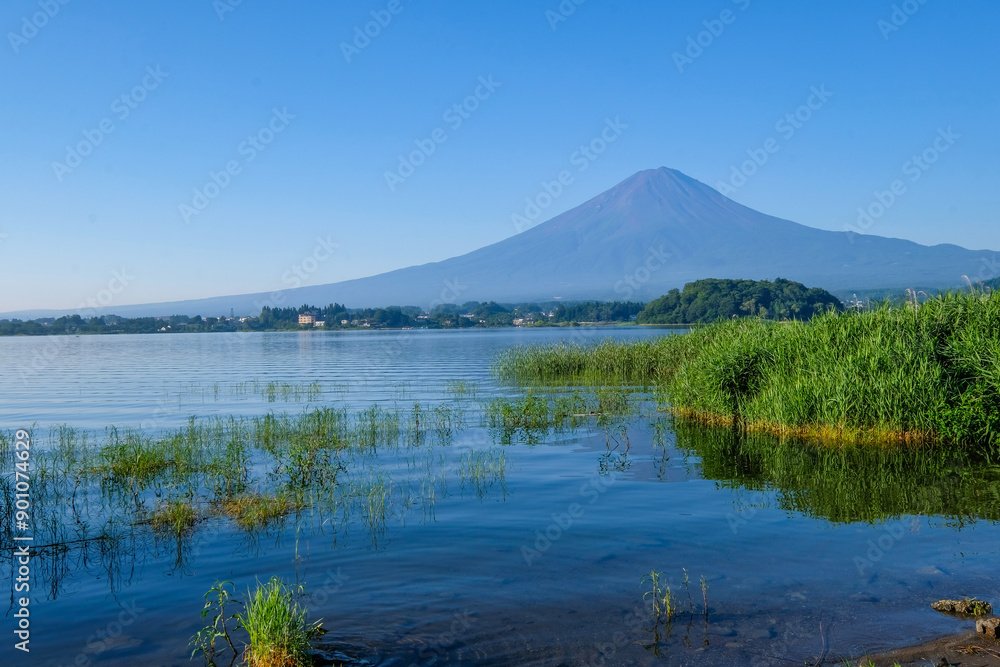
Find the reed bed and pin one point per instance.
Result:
(106, 499)
(922, 373)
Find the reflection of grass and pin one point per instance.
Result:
(892, 374)
(285, 391)
(851, 483)
(462, 388)
(374, 497)
(484, 469)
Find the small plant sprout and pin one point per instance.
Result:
(216, 600)
(687, 588)
(663, 604)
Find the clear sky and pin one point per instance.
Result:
(309, 114)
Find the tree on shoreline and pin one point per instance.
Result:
(713, 299)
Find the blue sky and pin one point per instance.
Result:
(208, 85)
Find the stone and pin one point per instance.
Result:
(989, 627)
(971, 607)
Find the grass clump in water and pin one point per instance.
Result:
(276, 623)
(279, 633)
(256, 511)
(174, 516)
(530, 412)
(895, 374)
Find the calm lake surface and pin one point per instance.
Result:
(492, 545)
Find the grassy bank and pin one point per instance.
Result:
(926, 373)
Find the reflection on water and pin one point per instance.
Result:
(848, 484)
(406, 506)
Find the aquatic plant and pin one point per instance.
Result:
(276, 623)
(174, 516)
(271, 617)
(216, 600)
(664, 607)
(879, 376)
(462, 388)
(484, 469)
(255, 511)
(704, 594)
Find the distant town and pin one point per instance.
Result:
(337, 317)
(700, 302)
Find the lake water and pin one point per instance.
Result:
(493, 545)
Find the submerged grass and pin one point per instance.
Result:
(484, 469)
(888, 375)
(256, 511)
(174, 517)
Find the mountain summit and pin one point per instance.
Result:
(654, 231)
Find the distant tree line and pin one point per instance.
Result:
(699, 302)
(710, 300)
(337, 316)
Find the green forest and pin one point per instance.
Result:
(705, 301)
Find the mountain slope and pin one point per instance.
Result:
(654, 231)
